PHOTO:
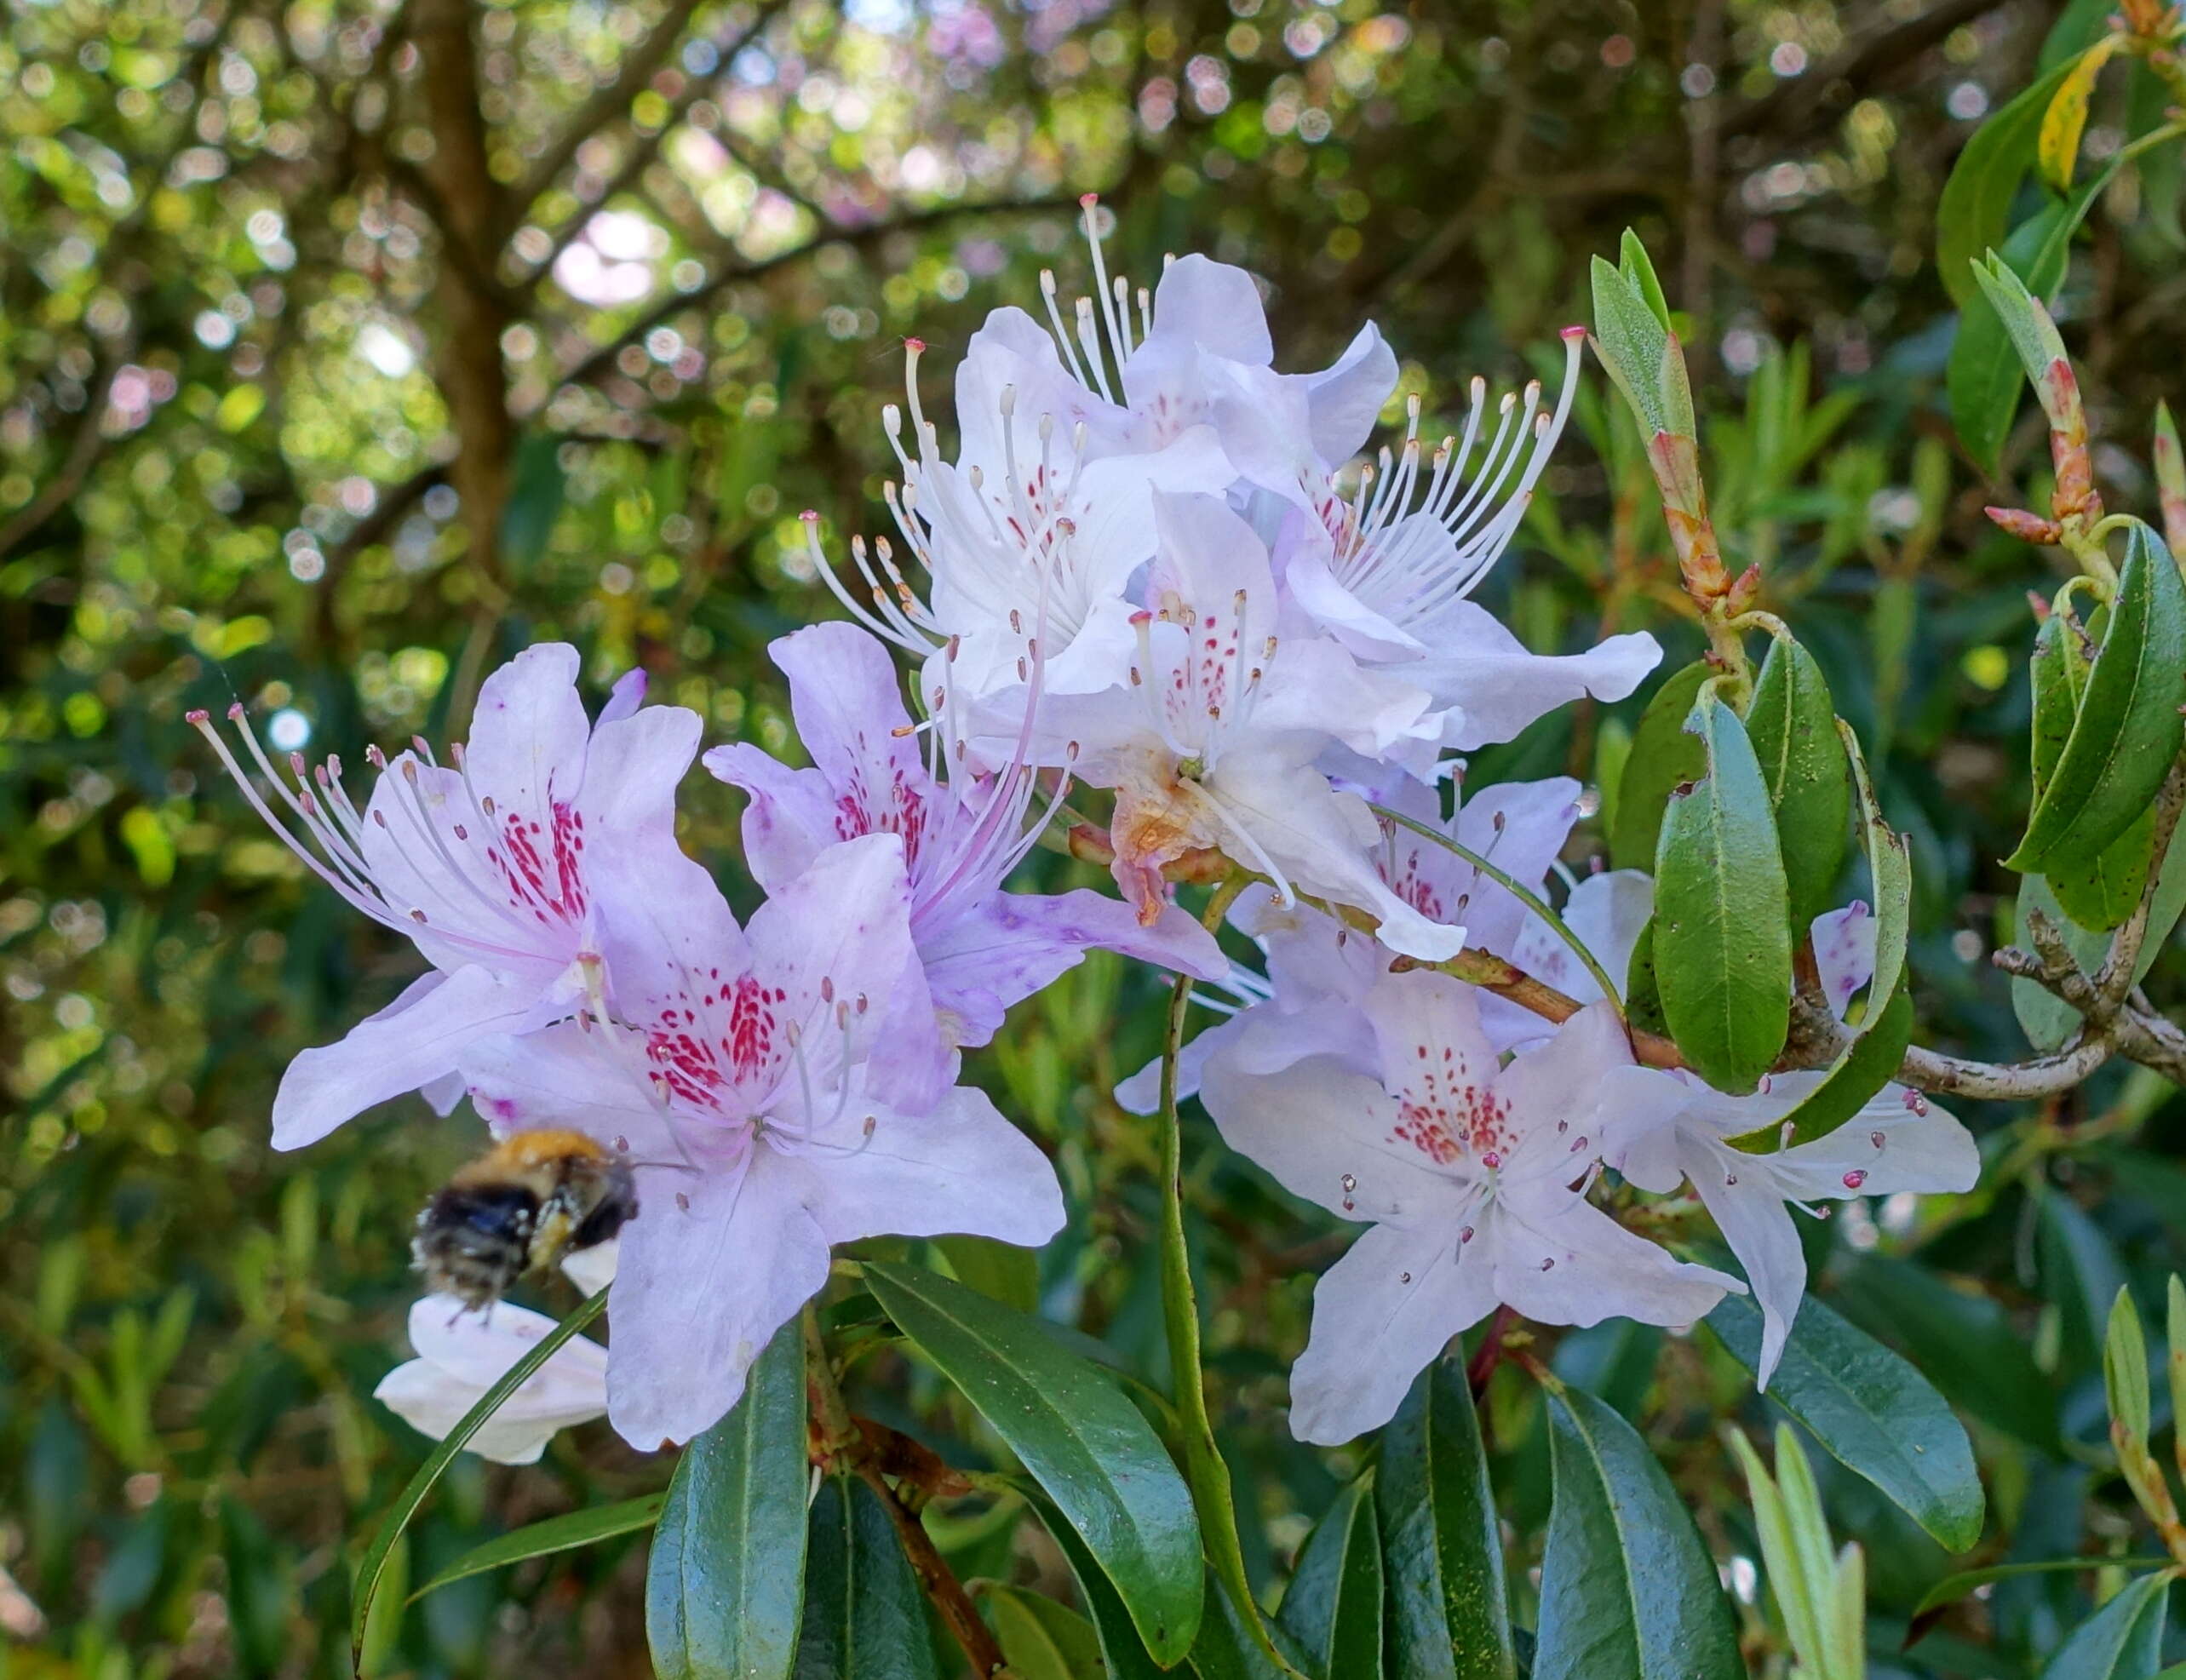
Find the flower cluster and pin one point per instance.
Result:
(1150, 569)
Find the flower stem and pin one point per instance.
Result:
(1203, 1465)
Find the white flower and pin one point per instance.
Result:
(461, 1354)
(1473, 1177)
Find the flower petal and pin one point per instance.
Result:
(463, 1354)
(1482, 668)
(1844, 954)
(1345, 399)
(1561, 1260)
(791, 817)
(631, 771)
(528, 732)
(1750, 1214)
(1328, 1133)
(398, 1050)
(959, 1168)
(714, 1264)
(1380, 1315)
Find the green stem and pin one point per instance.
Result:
(1203, 1465)
(1531, 900)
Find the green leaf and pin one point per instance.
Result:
(1633, 344)
(1333, 1606)
(1662, 755)
(2081, 1272)
(1984, 376)
(1001, 1271)
(1638, 269)
(1792, 723)
(1042, 1639)
(864, 1615)
(2124, 1367)
(1964, 1342)
(1643, 996)
(1082, 1440)
(1123, 1651)
(535, 496)
(2127, 731)
(2101, 891)
(1870, 1411)
(1228, 1648)
(1889, 873)
(2122, 1640)
(1722, 922)
(1449, 1615)
(1951, 1588)
(1976, 206)
(1869, 1062)
(1626, 1586)
(565, 1532)
(436, 1463)
(725, 1585)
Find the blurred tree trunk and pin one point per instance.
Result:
(473, 214)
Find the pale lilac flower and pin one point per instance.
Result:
(1066, 433)
(1473, 1177)
(772, 1102)
(1213, 741)
(1661, 1128)
(1319, 970)
(983, 949)
(461, 1354)
(1388, 570)
(488, 865)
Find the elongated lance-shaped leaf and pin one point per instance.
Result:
(398, 1514)
(1626, 1585)
(1871, 1059)
(2122, 1640)
(1333, 1604)
(1662, 756)
(1080, 1439)
(1449, 1615)
(2127, 731)
(1951, 1588)
(2057, 146)
(1792, 723)
(725, 1585)
(1042, 1639)
(1798, 1599)
(1870, 1410)
(2100, 890)
(864, 1616)
(1124, 1652)
(1976, 205)
(2125, 1370)
(1722, 914)
(566, 1533)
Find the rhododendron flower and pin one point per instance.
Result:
(1661, 1128)
(1319, 970)
(461, 1354)
(1388, 571)
(1066, 433)
(1473, 1177)
(489, 864)
(983, 949)
(1213, 741)
(772, 1103)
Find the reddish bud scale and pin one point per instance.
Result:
(2026, 526)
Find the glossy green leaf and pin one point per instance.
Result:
(1890, 873)
(1661, 756)
(2046, 1019)
(2128, 729)
(1042, 1639)
(565, 1532)
(1626, 1585)
(1722, 920)
(1000, 1270)
(399, 1515)
(1082, 1440)
(1962, 1342)
(2099, 891)
(1951, 1588)
(1792, 724)
(1227, 1647)
(2122, 1640)
(1643, 995)
(1123, 1651)
(1868, 1063)
(1984, 376)
(1870, 1411)
(725, 1585)
(864, 1615)
(1449, 1615)
(1333, 1605)
(1976, 206)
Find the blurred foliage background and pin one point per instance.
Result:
(347, 347)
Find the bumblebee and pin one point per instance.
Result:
(521, 1207)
